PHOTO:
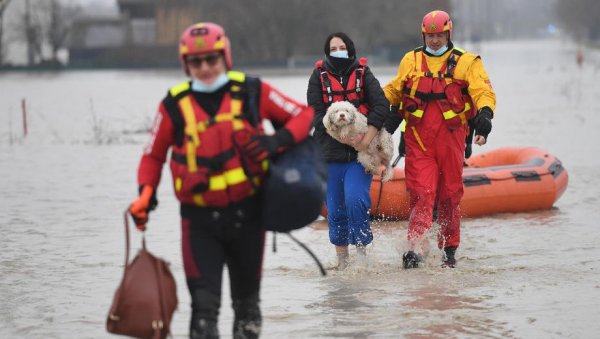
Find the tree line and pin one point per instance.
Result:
(275, 30)
(42, 25)
(579, 18)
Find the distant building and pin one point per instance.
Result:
(145, 34)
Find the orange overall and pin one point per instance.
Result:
(435, 134)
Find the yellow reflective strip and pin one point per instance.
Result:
(199, 200)
(191, 131)
(217, 183)
(235, 176)
(265, 165)
(236, 106)
(236, 76)
(190, 156)
(467, 107)
(175, 90)
(190, 119)
(403, 126)
(418, 113)
(418, 138)
(463, 118)
(449, 114)
(178, 184)
(202, 126)
(463, 115)
(413, 90)
(221, 117)
(238, 125)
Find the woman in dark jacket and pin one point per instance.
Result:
(348, 184)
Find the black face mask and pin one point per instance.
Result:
(340, 65)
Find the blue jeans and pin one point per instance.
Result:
(348, 204)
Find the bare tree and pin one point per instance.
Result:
(28, 30)
(43, 25)
(57, 25)
(3, 5)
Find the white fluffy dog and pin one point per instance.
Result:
(342, 121)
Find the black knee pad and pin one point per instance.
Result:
(248, 320)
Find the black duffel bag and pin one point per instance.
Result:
(295, 188)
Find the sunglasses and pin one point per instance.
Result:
(196, 61)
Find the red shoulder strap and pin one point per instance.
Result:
(319, 63)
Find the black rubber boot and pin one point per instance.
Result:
(247, 323)
(449, 259)
(205, 311)
(411, 259)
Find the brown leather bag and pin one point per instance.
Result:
(145, 300)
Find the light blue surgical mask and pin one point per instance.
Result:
(339, 54)
(439, 52)
(200, 86)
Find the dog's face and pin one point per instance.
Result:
(340, 114)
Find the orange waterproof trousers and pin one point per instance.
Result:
(433, 167)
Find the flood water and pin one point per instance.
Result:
(65, 186)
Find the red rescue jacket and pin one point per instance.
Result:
(207, 168)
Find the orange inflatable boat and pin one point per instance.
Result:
(502, 180)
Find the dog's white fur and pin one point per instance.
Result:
(343, 120)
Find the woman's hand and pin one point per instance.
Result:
(364, 143)
(352, 140)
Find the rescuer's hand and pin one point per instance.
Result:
(141, 206)
(483, 124)
(260, 147)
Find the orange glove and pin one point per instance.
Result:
(141, 206)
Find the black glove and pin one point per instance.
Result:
(260, 147)
(402, 146)
(468, 151)
(483, 122)
(469, 140)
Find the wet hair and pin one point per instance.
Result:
(345, 39)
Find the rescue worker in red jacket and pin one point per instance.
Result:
(439, 87)
(219, 155)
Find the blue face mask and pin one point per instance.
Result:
(339, 54)
(199, 86)
(438, 52)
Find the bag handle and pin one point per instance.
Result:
(158, 326)
(126, 219)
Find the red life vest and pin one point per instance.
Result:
(449, 93)
(334, 90)
(208, 169)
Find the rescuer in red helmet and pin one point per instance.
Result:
(219, 155)
(438, 89)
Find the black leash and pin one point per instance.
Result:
(323, 273)
(379, 196)
(381, 185)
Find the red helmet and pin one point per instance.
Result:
(437, 22)
(204, 37)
